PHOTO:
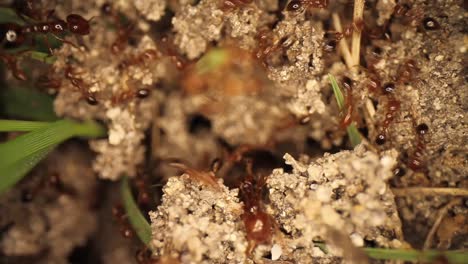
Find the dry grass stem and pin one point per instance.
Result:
(356, 41)
(343, 44)
(429, 191)
(441, 214)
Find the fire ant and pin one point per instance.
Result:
(78, 83)
(119, 215)
(392, 107)
(51, 182)
(348, 117)
(10, 61)
(407, 71)
(15, 35)
(130, 94)
(415, 162)
(205, 177)
(140, 59)
(267, 43)
(298, 5)
(258, 223)
(144, 197)
(123, 32)
(331, 39)
(168, 49)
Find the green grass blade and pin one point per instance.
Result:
(20, 126)
(454, 256)
(8, 15)
(43, 57)
(27, 104)
(353, 132)
(20, 155)
(136, 218)
(12, 173)
(337, 91)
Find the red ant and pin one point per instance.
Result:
(348, 117)
(392, 107)
(298, 5)
(143, 256)
(15, 35)
(78, 83)
(180, 62)
(415, 162)
(140, 59)
(407, 71)
(10, 61)
(331, 39)
(266, 45)
(144, 197)
(205, 177)
(258, 223)
(119, 215)
(130, 94)
(52, 182)
(123, 32)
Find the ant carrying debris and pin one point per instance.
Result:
(205, 177)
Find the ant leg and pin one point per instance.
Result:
(46, 40)
(66, 41)
(50, 14)
(10, 61)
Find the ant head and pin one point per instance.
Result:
(294, 5)
(77, 24)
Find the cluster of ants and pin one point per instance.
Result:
(259, 225)
(406, 73)
(15, 35)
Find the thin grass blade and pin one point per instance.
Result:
(454, 256)
(14, 172)
(20, 125)
(20, 155)
(136, 218)
(337, 91)
(353, 132)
